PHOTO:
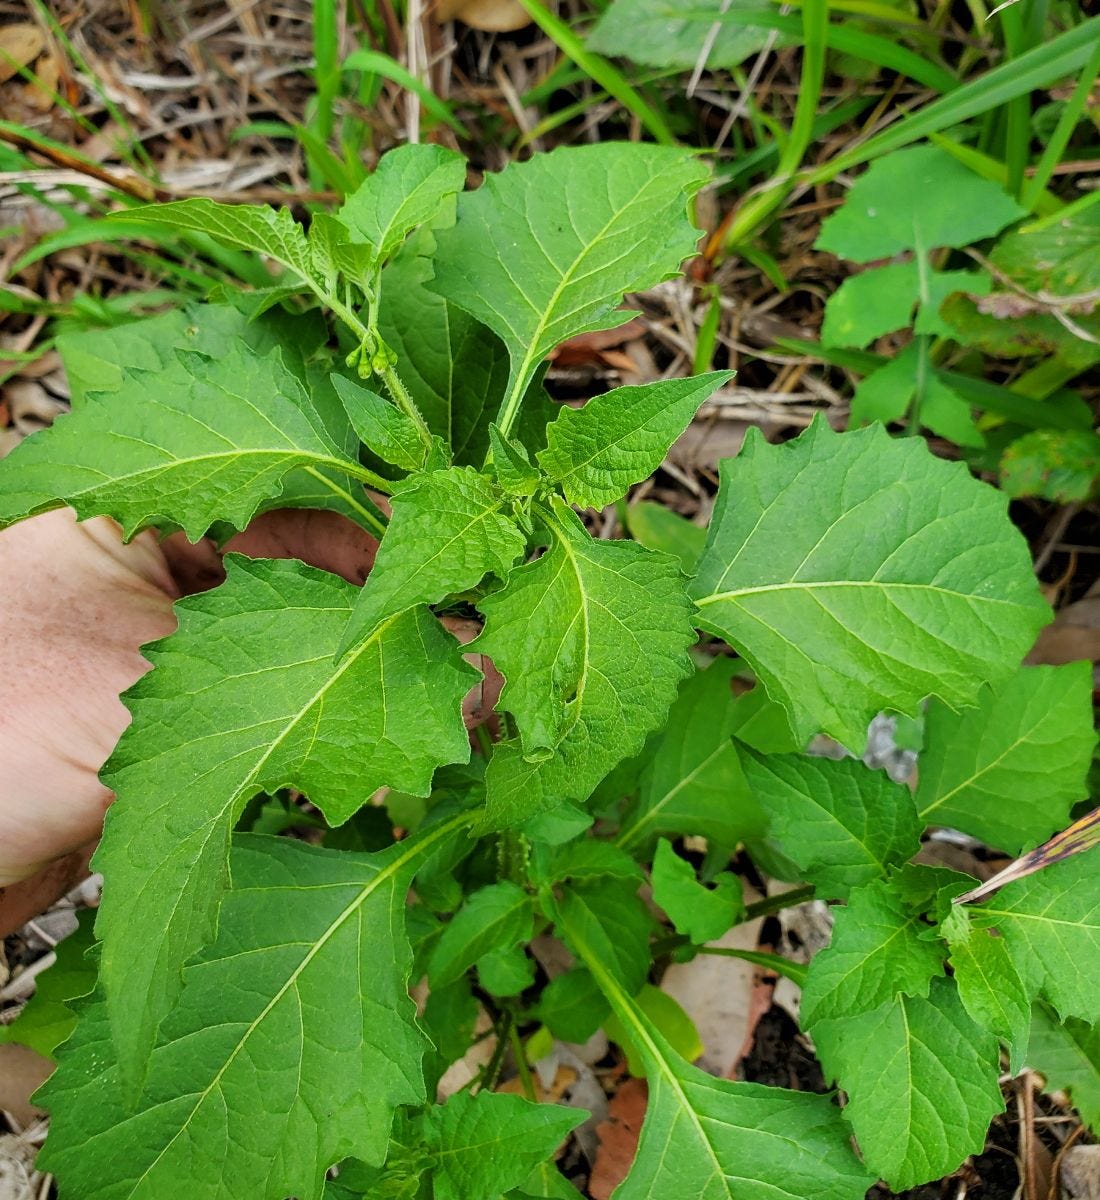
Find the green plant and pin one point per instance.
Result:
(1035, 296)
(251, 1023)
(991, 107)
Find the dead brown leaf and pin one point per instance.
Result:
(20, 45)
(22, 1072)
(492, 16)
(589, 348)
(618, 1138)
(1075, 633)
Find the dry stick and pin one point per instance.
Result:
(141, 189)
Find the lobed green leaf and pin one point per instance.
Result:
(1010, 769)
(202, 440)
(858, 573)
(922, 1083)
(289, 1050)
(841, 823)
(247, 697)
(620, 438)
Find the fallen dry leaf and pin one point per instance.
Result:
(22, 1072)
(1074, 634)
(593, 347)
(20, 45)
(492, 16)
(618, 1138)
(717, 993)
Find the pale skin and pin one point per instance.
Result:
(76, 605)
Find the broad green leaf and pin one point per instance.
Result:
(687, 33)
(620, 438)
(506, 971)
(915, 199)
(989, 984)
(663, 34)
(659, 528)
(455, 369)
(199, 441)
(406, 189)
(247, 697)
(499, 915)
(545, 1182)
(921, 1079)
(664, 1013)
(588, 858)
(1007, 326)
(841, 823)
(1067, 1055)
(381, 426)
(609, 916)
(869, 304)
(546, 249)
(102, 360)
(858, 573)
(942, 284)
(486, 1144)
(886, 394)
(876, 954)
(572, 1006)
(259, 227)
(712, 1139)
(512, 467)
(449, 529)
(763, 724)
(1010, 770)
(449, 1019)
(1056, 256)
(333, 254)
(699, 912)
(692, 782)
(97, 360)
(1051, 921)
(290, 1048)
(557, 825)
(1057, 464)
(592, 640)
(49, 1016)
(881, 299)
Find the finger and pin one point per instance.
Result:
(481, 699)
(322, 539)
(22, 902)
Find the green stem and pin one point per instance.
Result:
(778, 902)
(923, 340)
(492, 1068)
(405, 402)
(521, 1063)
(795, 972)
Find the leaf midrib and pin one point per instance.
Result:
(819, 585)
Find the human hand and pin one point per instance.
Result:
(76, 605)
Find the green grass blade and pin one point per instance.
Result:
(381, 64)
(756, 210)
(606, 74)
(1064, 55)
(1063, 131)
(844, 39)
